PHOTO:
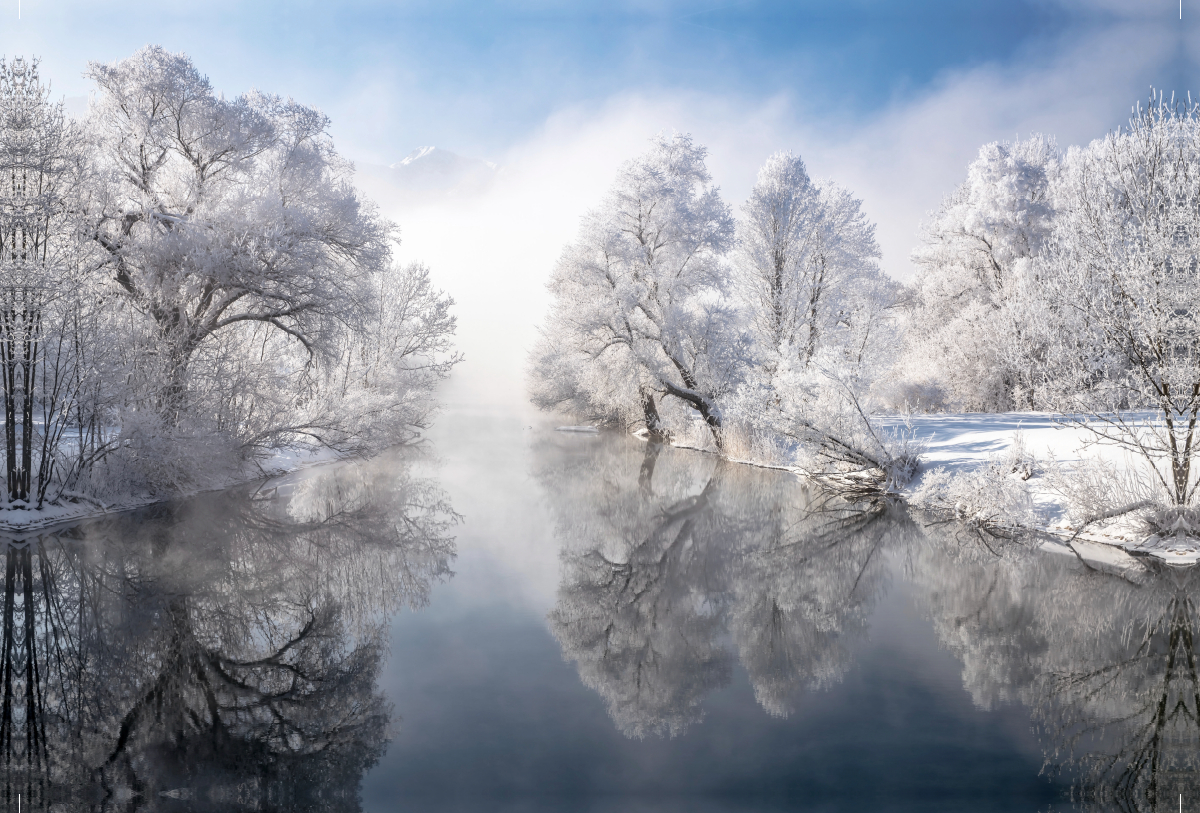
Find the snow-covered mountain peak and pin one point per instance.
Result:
(431, 157)
(414, 156)
(427, 174)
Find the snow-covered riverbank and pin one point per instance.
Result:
(960, 448)
(17, 521)
(1014, 471)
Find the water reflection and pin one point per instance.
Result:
(678, 566)
(1107, 665)
(675, 565)
(218, 654)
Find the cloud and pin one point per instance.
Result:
(904, 161)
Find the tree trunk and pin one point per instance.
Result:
(20, 351)
(654, 426)
(707, 410)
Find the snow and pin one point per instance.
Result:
(591, 430)
(415, 155)
(440, 157)
(1108, 559)
(966, 442)
(282, 471)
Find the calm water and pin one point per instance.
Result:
(539, 621)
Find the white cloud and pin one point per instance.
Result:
(909, 157)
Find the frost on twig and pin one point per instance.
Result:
(839, 445)
(814, 421)
(1096, 491)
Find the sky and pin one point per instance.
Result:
(890, 99)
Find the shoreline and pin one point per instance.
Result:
(59, 517)
(965, 444)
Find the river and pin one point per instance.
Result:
(521, 619)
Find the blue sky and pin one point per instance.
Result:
(478, 76)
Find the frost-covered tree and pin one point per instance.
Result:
(655, 320)
(806, 269)
(1123, 256)
(781, 277)
(55, 362)
(976, 327)
(218, 212)
(190, 283)
(233, 230)
(820, 313)
(640, 310)
(246, 289)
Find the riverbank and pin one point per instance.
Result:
(1036, 453)
(17, 521)
(1012, 471)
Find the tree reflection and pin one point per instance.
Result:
(216, 654)
(677, 566)
(1107, 664)
(668, 556)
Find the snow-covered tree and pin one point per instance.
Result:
(250, 297)
(976, 330)
(190, 283)
(54, 360)
(821, 315)
(640, 309)
(219, 212)
(774, 347)
(806, 268)
(233, 230)
(1123, 257)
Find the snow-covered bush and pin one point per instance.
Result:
(994, 496)
(815, 421)
(990, 496)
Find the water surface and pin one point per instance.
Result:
(525, 620)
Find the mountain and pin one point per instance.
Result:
(425, 175)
